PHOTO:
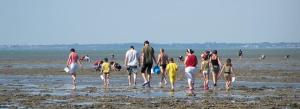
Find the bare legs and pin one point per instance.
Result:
(149, 77)
(228, 83)
(205, 82)
(74, 78)
(106, 79)
(190, 77)
(172, 85)
(146, 79)
(191, 85)
(215, 78)
(134, 79)
(163, 76)
(130, 79)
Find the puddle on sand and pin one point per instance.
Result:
(52, 101)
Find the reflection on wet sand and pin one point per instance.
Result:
(90, 89)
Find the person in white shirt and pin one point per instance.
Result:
(132, 61)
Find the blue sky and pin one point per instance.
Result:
(159, 21)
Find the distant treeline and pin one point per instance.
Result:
(140, 45)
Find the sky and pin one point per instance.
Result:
(159, 21)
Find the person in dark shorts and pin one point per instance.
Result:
(147, 60)
(215, 66)
(163, 61)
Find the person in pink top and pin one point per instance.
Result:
(190, 63)
(72, 64)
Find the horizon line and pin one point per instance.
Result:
(150, 43)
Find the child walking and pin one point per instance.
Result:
(204, 69)
(172, 69)
(106, 70)
(228, 72)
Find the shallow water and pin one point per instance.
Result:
(92, 86)
(56, 58)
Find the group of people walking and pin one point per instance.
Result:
(167, 65)
(210, 62)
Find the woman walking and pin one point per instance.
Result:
(190, 63)
(215, 66)
(162, 61)
(72, 64)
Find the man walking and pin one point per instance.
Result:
(147, 59)
(132, 61)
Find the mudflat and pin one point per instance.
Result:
(270, 83)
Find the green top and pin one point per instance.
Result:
(227, 69)
(148, 54)
(205, 65)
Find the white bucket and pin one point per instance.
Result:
(233, 79)
(66, 69)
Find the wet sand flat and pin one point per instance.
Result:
(42, 83)
(56, 91)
